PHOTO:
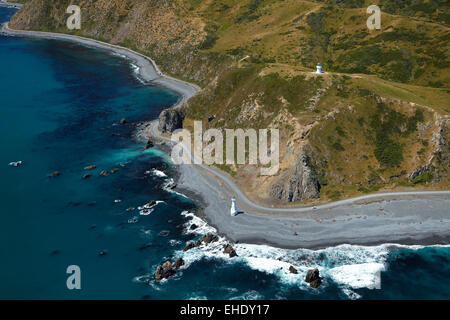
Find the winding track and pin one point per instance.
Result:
(241, 197)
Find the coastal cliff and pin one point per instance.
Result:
(376, 120)
(298, 183)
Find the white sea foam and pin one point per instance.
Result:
(168, 187)
(145, 212)
(349, 266)
(146, 207)
(158, 173)
(136, 72)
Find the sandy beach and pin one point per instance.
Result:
(407, 218)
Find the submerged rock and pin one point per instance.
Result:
(86, 176)
(55, 174)
(313, 278)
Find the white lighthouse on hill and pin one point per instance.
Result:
(319, 69)
(233, 211)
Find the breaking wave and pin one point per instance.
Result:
(347, 266)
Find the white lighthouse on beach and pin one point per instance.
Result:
(319, 69)
(233, 211)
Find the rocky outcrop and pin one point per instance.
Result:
(164, 271)
(208, 238)
(313, 278)
(149, 144)
(417, 172)
(178, 263)
(297, 183)
(229, 250)
(189, 246)
(439, 163)
(170, 120)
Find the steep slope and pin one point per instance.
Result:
(377, 120)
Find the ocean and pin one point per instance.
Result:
(60, 110)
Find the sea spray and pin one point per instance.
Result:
(347, 266)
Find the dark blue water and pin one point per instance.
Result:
(60, 108)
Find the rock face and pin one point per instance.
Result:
(189, 246)
(297, 183)
(149, 144)
(419, 171)
(178, 263)
(170, 120)
(229, 249)
(208, 238)
(313, 278)
(164, 271)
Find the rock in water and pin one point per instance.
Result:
(55, 174)
(178, 263)
(149, 144)
(170, 120)
(189, 246)
(104, 173)
(15, 163)
(123, 121)
(229, 249)
(193, 226)
(164, 271)
(209, 238)
(91, 167)
(292, 270)
(313, 278)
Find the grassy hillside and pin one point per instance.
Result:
(377, 120)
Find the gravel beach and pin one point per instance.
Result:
(407, 218)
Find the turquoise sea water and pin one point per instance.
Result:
(60, 107)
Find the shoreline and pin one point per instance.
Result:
(148, 70)
(346, 222)
(10, 5)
